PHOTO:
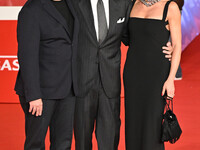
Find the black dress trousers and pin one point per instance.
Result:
(58, 115)
(97, 111)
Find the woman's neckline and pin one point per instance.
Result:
(146, 18)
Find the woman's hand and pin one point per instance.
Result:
(169, 88)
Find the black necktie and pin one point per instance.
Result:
(102, 23)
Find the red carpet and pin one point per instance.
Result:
(187, 108)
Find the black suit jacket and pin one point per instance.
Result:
(46, 52)
(106, 57)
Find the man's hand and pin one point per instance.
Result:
(168, 50)
(36, 107)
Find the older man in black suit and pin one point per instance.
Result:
(103, 27)
(46, 83)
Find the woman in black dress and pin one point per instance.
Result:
(148, 75)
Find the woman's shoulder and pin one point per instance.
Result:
(173, 6)
(173, 10)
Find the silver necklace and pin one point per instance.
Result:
(149, 3)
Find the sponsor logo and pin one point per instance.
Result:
(9, 63)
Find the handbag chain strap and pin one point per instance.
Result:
(168, 101)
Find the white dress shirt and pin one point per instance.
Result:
(95, 15)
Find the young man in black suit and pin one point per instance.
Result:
(103, 26)
(47, 35)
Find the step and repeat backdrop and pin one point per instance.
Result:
(9, 66)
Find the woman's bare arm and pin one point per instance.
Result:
(175, 31)
(174, 18)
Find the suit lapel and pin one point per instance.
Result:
(114, 10)
(114, 13)
(86, 9)
(76, 22)
(51, 10)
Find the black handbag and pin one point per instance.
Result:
(171, 130)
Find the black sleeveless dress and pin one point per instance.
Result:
(146, 70)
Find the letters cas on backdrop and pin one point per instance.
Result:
(8, 49)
